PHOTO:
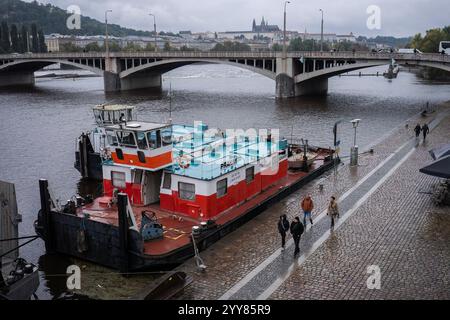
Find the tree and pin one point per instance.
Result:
(167, 46)
(277, 47)
(132, 47)
(149, 47)
(34, 39)
(5, 44)
(41, 44)
(69, 47)
(15, 46)
(93, 47)
(231, 46)
(24, 38)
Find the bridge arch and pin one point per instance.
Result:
(32, 65)
(167, 65)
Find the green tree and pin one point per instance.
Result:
(277, 47)
(34, 38)
(231, 46)
(41, 44)
(167, 47)
(5, 44)
(24, 38)
(132, 47)
(69, 47)
(149, 47)
(15, 46)
(93, 47)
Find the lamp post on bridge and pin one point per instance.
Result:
(284, 30)
(321, 32)
(106, 33)
(154, 29)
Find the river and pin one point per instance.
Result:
(38, 126)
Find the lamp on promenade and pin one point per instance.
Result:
(154, 29)
(321, 33)
(354, 149)
(284, 30)
(106, 33)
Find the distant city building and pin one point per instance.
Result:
(264, 27)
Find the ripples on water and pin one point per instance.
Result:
(38, 127)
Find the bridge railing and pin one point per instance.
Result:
(429, 57)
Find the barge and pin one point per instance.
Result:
(171, 190)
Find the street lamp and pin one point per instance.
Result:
(354, 149)
(284, 30)
(106, 33)
(321, 32)
(154, 29)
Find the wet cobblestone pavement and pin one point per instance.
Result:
(390, 223)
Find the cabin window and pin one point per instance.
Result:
(118, 179)
(141, 141)
(167, 183)
(141, 156)
(112, 138)
(154, 139)
(186, 191)
(250, 174)
(166, 136)
(126, 138)
(222, 188)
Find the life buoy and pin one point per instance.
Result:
(184, 161)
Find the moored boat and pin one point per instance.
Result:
(169, 190)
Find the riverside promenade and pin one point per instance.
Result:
(388, 222)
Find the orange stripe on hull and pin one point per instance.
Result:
(155, 162)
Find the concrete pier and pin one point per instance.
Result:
(8, 79)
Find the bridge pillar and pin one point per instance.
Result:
(285, 86)
(285, 83)
(8, 79)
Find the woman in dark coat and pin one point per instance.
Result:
(283, 227)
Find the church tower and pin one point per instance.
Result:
(254, 26)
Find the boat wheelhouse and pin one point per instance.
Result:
(90, 145)
(172, 189)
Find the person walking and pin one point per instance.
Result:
(296, 231)
(425, 131)
(333, 211)
(417, 130)
(283, 227)
(307, 207)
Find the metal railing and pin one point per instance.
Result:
(429, 57)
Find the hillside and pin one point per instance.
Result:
(53, 19)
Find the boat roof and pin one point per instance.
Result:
(113, 107)
(139, 126)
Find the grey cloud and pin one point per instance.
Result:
(398, 17)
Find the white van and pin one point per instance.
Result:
(444, 47)
(407, 50)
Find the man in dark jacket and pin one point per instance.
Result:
(417, 130)
(425, 131)
(296, 231)
(283, 227)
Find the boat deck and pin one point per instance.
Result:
(177, 227)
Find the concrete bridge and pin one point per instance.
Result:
(296, 74)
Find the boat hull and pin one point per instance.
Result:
(102, 241)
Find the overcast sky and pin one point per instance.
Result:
(398, 17)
